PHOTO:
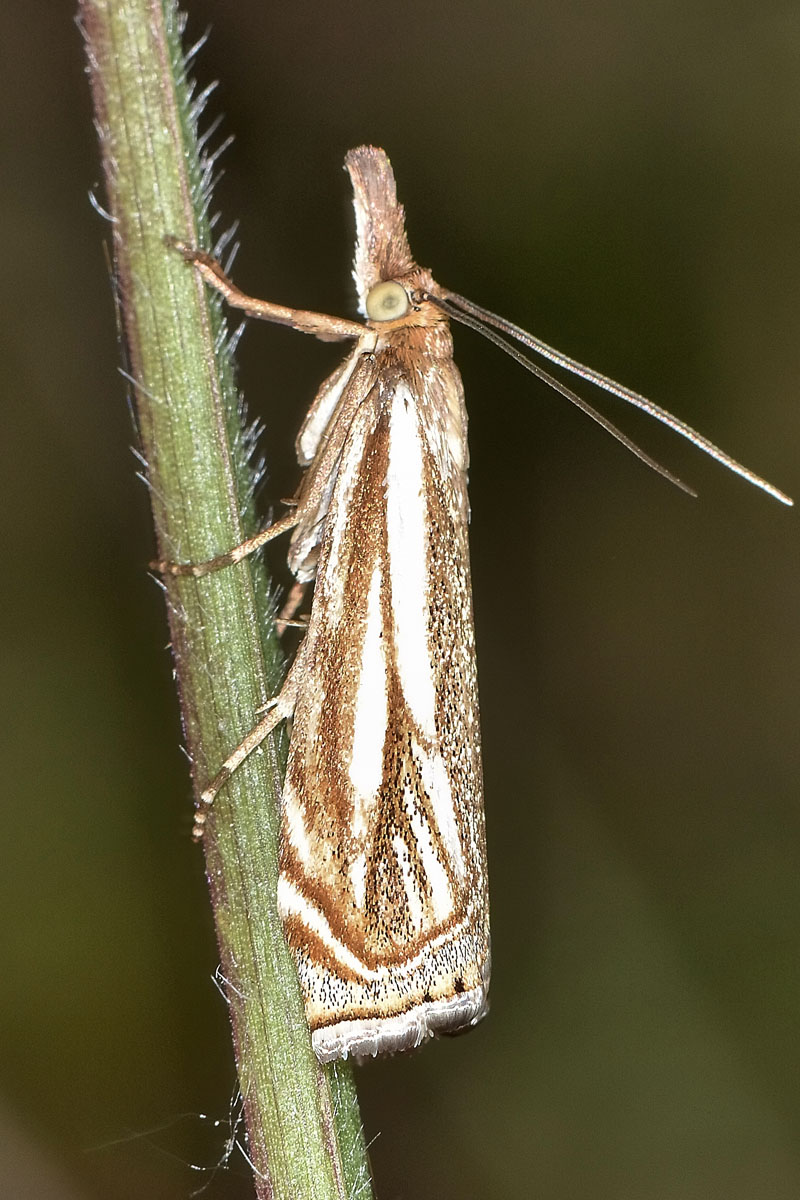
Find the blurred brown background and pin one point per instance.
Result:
(621, 179)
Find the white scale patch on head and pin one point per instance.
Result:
(407, 522)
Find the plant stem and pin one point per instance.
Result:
(303, 1126)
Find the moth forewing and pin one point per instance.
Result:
(383, 875)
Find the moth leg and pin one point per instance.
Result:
(280, 709)
(231, 556)
(327, 329)
(290, 607)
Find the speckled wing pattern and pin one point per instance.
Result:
(383, 888)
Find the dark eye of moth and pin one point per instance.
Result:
(387, 301)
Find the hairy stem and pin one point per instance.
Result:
(303, 1126)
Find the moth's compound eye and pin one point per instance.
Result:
(387, 301)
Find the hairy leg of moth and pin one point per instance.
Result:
(327, 329)
(283, 704)
(230, 556)
(280, 709)
(290, 606)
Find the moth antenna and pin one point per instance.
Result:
(477, 318)
(558, 386)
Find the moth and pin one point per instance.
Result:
(383, 878)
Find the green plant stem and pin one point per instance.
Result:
(304, 1131)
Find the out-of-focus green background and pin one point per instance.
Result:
(622, 179)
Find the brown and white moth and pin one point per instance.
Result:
(383, 881)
